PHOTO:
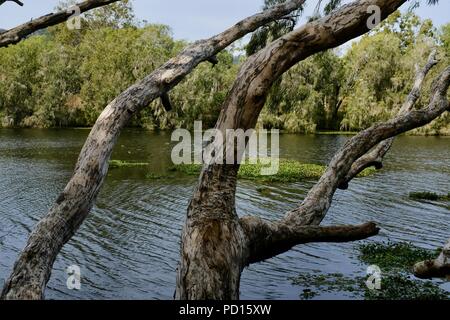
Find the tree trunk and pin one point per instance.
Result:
(33, 266)
(214, 238)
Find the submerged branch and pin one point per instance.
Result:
(438, 268)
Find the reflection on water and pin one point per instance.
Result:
(128, 247)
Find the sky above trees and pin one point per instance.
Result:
(190, 20)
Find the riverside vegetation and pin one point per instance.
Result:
(63, 78)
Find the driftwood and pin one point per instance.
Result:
(438, 268)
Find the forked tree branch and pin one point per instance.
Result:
(318, 200)
(375, 157)
(212, 208)
(33, 267)
(278, 237)
(18, 33)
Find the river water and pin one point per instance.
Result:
(128, 247)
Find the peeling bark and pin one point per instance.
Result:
(216, 243)
(268, 239)
(33, 267)
(16, 1)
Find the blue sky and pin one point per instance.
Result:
(191, 20)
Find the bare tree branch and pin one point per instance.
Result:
(318, 200)
(375, 156)
(33, 267)
(438, 268)
(268, 239)
(18, 33)
(213, 228)
(16, 1)
(278, 237)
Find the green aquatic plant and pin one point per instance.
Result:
(289, 171)
(331, 282)
(395, 260)
(404, 287)
(264, 191)
(126, 164)
(393, 287)
(429, 196)
(391, 256)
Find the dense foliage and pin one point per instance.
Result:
(351, 91)
(65, 78)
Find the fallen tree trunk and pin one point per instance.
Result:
(33, 267)
(437, 268)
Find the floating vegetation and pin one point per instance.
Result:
(289, 171)
(331, 282)
(404, 287)
(395, 260)
(125, 164)
(264, 191)
(153, 176)
(393, 287)
(429, 196)
(394, 256)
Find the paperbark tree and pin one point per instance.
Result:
(32, 269)
(16, 34)
(216, 243)
(437, 268)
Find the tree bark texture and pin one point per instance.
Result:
(32, 269)
(213, 204)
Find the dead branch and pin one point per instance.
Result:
(33, 267)
(16, 1)
(16, 34)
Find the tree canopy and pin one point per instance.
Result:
(62, 77)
